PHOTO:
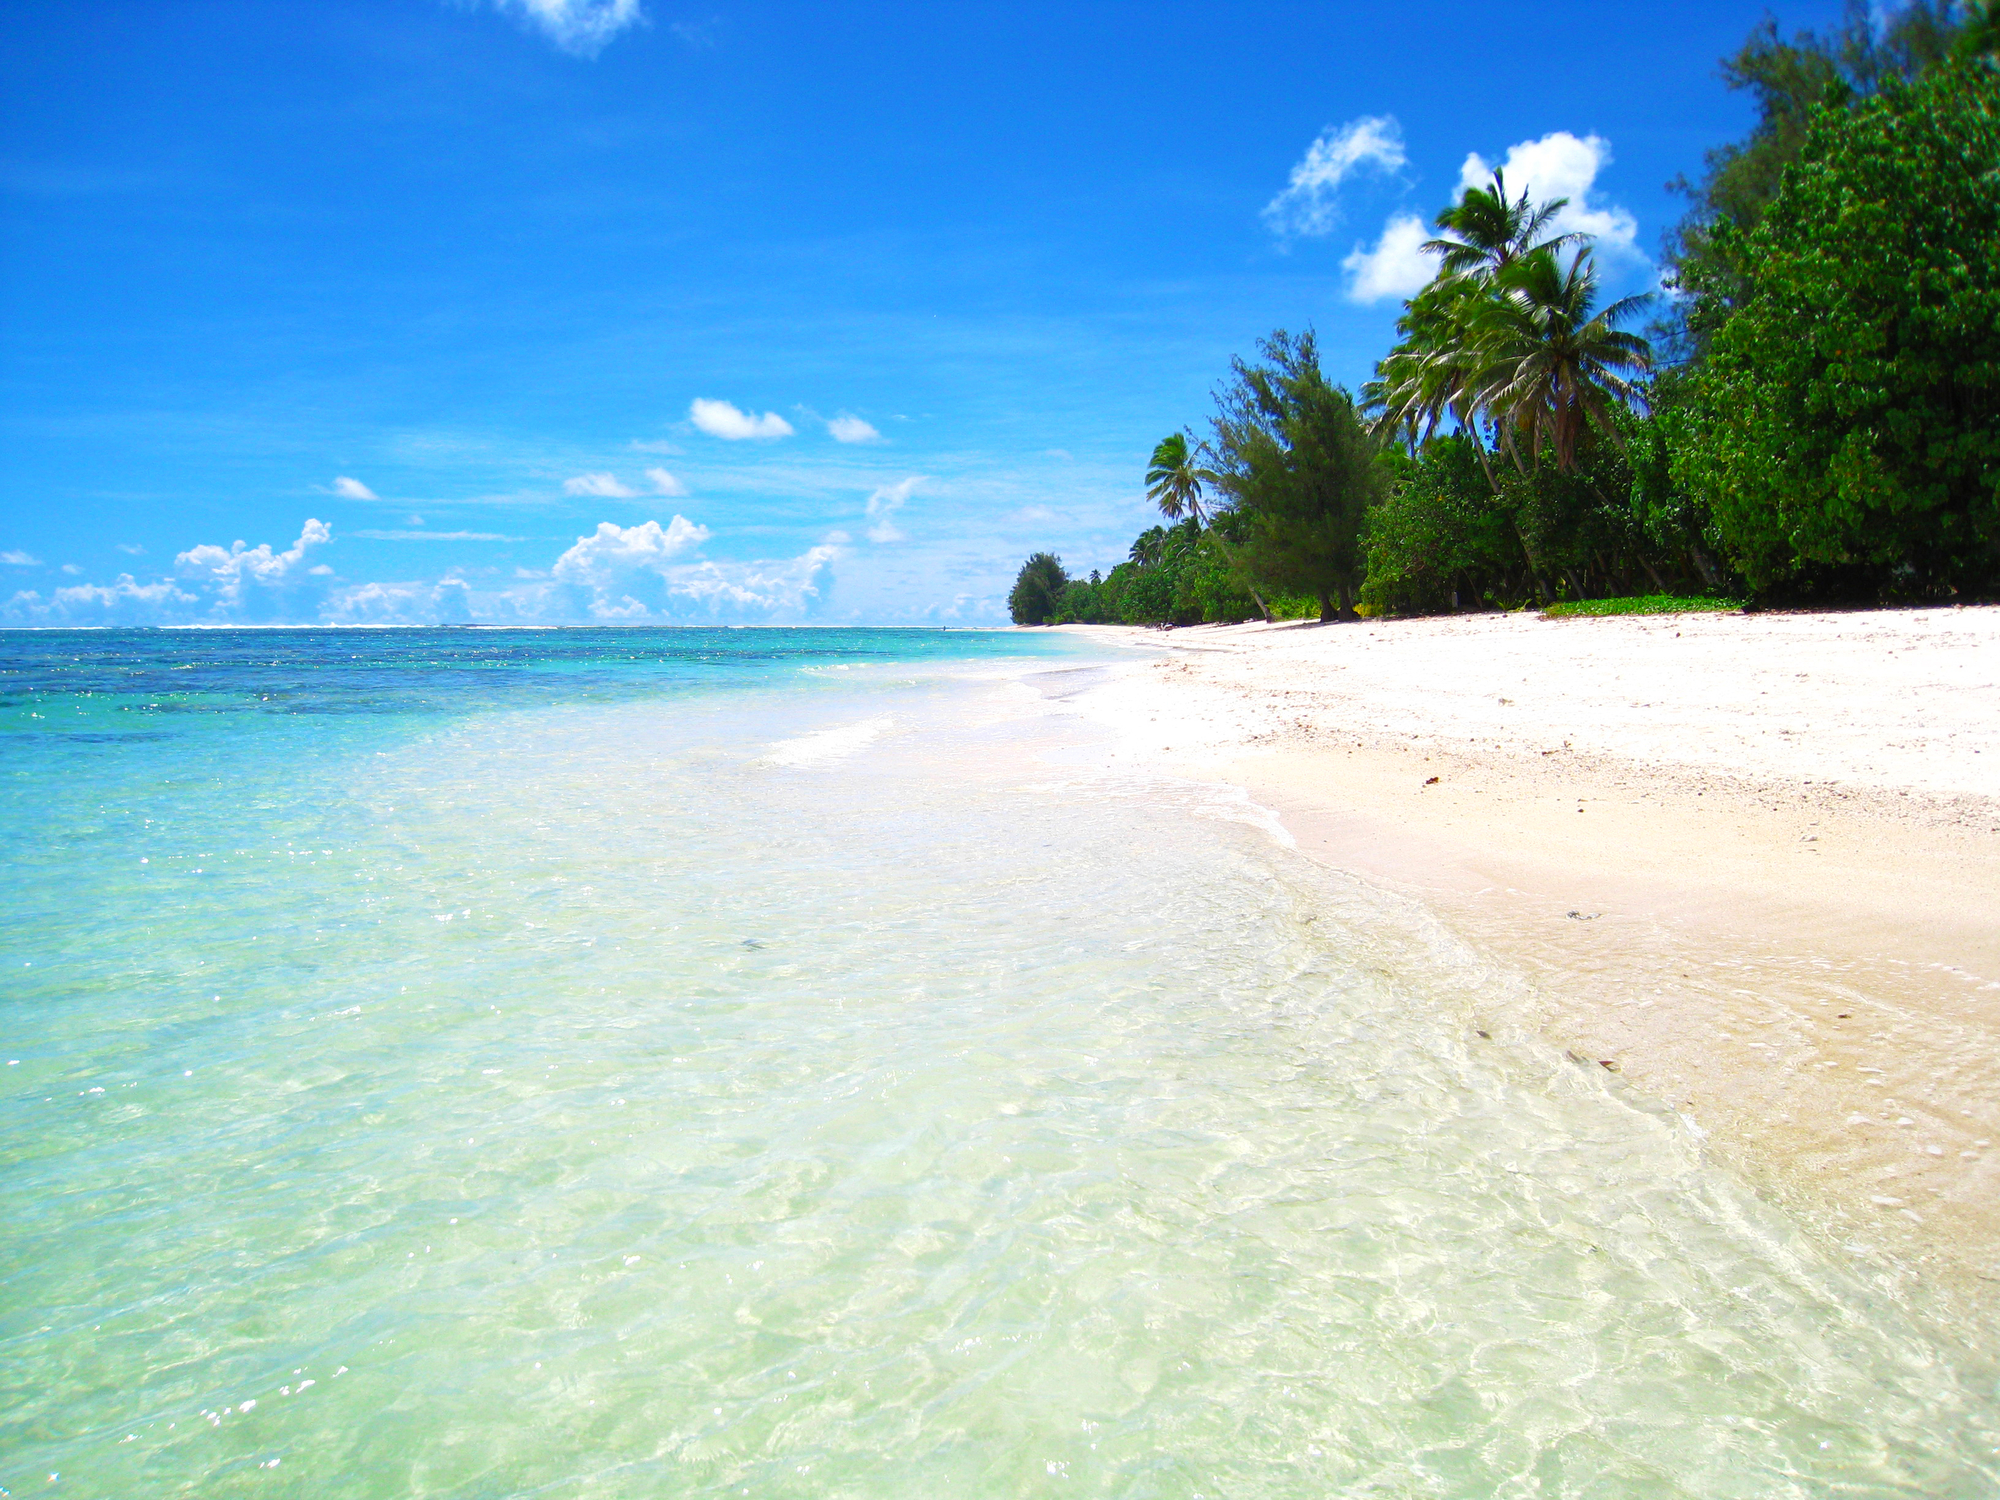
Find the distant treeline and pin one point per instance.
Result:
(1815, 413)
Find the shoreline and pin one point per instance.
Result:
(1750, 864)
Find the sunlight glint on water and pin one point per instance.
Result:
(658, 1063)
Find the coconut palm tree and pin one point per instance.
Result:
(1489, 232)
(1176, 476)
(1428, 375)
(1550, 364)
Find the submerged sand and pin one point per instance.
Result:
(1748, 863)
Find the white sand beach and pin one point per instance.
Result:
(1749, 863)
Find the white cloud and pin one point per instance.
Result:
(1561, 165)
(235, 572)
(884, 503)
(665, 484)
(130, 549)
(419, 603)
(1398, 266)
(353, 489)
(720, 419)
(72, 569)
(319, 570)
(604, 486)
(581, 27)
(642, 573)
(600, 560)
(125, 602)
(851, 429)
(1310, 203)
(782, 587)
(18, 559)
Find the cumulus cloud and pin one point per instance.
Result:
(1397, 266)
(1561, 165)
(720, 419)
(19, 559)
(599, 560)
(126, 602)
(787, 586)
(1310, 203)
(446, 600)
(665, 484)
(851, 429)
(353, 489)
(239, 573)
(884, 503)
(604, 486)
(643, 573)
(579, 27)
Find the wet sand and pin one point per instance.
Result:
(1749, 864)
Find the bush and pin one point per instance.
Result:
(1646, 604)
(1847, 419)
(1037, 590)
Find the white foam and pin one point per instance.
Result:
(829, 744)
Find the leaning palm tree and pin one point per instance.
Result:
(1489, 232)
(1176, 476)
(1551, 365)
(1427, 376)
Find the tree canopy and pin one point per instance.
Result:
(1848, 413)
(1299, 464)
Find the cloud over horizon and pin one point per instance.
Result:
(1310, 203)
(241, 575)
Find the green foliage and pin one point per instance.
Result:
(1440, 541)
(1508, 336)
(1176, 575)
(1789, 80)
(1847, 418)
(1301, 471)
(1037, 590)
(1175, 477)
(1644, 604)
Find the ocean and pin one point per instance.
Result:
(633, 1062)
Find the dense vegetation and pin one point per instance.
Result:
(1821, 419)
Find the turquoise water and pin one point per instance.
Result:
(638, 1063)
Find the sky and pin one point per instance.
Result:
(572, 311)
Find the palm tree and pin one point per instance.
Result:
(1176, 476)
(1490, 232)
(1427, 376)
(1549, 366)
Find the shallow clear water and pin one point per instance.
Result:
(792, 1063)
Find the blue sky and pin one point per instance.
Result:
(605, 309)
